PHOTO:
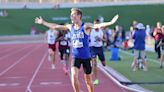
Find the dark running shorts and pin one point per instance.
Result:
(97, 51)
(76, 62)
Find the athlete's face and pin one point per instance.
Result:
(75, 18)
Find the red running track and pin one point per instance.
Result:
(25, 68)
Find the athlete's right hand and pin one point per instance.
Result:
(39, 20)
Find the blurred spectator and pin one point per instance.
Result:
(3, 13)
(161, 44)
(114, 37)
(148, 30)
(76, 1)
(157, 33)
(139, 46)
(149, 38)
(56, 6)
(108, 33)
(101, 18)
(133, 25)
(123, 35)
(34, 30)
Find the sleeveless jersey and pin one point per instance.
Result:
(94, 38)
(51, 37)
(80, 43)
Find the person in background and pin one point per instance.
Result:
(51, 40)
(161, 45)
(97, 37)
(157, 33)
(64, 49)
(139, 46)
(3, 13)
(108, 33)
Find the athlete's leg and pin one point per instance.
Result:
(66, 63)
(134, 63)
(101, 56)
(88, 80)
(74, 74)
(162, 60)
(143, 60)
(94, 63)
(94, 67)
(62, 56)
(87, 76)
(74, 77)
(52, 58)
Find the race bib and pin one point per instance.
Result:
(64, 43)
(77, 44)
(52, 41)
(67, 50)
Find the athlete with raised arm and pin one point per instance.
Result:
(80, 45)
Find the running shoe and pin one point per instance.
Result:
(53, 67)
(96, 82)
(103, 63)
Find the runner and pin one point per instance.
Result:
(80, 45)
(51, 40)
(64, 49)
(97, 37)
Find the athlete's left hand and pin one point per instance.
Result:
(114, 19)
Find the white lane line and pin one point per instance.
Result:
(16, 51)
(9, 84)
(16, 77)
(4, 71)
(3, 84)
(50, 83)
(116, 81)
(35, 73)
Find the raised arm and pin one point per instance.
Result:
(100, 25)
(104, 24)
(39, 20)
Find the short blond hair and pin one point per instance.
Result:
(79, 11)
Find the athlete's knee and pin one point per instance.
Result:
(88, 79)
(74, 73)
(51, 52)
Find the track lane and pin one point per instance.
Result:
(48, 80)
(17, 78)
(23, 76)
(10, 60)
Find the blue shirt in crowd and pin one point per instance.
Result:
(139, 39)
